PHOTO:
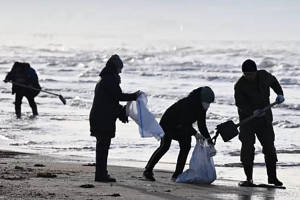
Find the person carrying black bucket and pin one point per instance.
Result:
(252, 93)
(23, 74)
(177, 123)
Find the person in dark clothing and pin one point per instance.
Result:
(177, 123)
(105, 111)
(22, 73)
(252, 93)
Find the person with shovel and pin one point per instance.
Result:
(105, 111)
(23, 74)
(177, 123)
(252, 93)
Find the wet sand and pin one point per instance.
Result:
(31, 176)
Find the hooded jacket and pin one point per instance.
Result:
(106, 107)
(247, 102)
(178, 119)
(25, 76)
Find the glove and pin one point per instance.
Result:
(280, 99)
(262, 113)
(5, 81)
(122, 115)
(198, 136)
(209, 141)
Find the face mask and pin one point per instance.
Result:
(205, 105)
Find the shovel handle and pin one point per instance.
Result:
(256, 114)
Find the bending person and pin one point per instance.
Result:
(177, 123)
(22, 73)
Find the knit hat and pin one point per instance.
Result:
(207, 94)
(249, 66)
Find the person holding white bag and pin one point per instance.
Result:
(177, 123)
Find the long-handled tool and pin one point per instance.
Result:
(63, 100)
(228, 130)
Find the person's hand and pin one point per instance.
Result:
(280, 99)
(138, 93)
(209, 141)
(261, 113)
(5, 81)
(198, 136)
(122, 115)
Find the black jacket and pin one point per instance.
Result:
(247, 102)
(178, 119)
(27, 76)
(106, 107)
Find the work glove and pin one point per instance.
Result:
(5, 81)
(209, 141)
(122, 115)
(262, 113)
(280, 99)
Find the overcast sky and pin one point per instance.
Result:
(182, 19)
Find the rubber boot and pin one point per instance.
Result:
(34, 111)
(248, 169)
(18, 113)
(272, 177)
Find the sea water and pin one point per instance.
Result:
(166, 71)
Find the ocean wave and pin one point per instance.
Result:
(290, 106)
(286, 124)
(48, 80)
(258, 164)
(90, 73)
(289, 81)
(289, 151)
(267, 62)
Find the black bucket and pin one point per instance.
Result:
(227, 130)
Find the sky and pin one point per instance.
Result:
(154, 19)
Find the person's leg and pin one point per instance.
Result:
(266, 137)
(165, 144)
(185, 146)
(247, 138)
(102, 148)
(32, 104)
(18, 102)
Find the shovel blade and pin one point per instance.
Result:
(227, 130)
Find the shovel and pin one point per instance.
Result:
(63, 100)
(228, 130)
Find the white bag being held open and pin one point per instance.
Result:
(202, 168)
(138, 111)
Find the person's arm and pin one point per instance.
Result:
(201, 122)
(114, 89)
(274, 84)
(8, 77)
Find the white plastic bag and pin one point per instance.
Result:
(138, 111)
(202, 168)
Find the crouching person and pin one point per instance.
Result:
(177, 123)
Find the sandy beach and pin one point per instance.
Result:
(32, 176)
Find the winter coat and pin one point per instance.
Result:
(26, 76)
(177, 121)
(106, 107)
(248, 102)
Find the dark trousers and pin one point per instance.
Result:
(102, 147)
(265, 134)
(18, 102)
(185, 146)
